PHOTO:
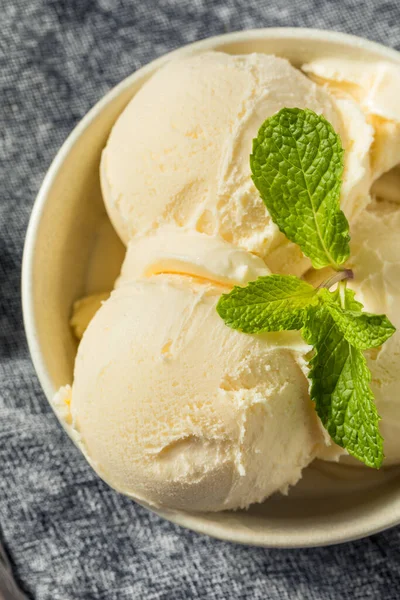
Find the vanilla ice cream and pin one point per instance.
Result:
(179, 153)
(176, 409)
(168, 404)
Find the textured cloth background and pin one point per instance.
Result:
(67, 534)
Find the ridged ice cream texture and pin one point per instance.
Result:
(172, 407)
(179, 153)
(168, 404)
(177, 410)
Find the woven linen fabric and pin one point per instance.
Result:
(68, 536)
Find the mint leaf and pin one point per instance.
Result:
(271, 303)
(361, 329)
(297, 166)
(340, 388)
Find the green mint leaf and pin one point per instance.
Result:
(271, 303)
(297, 166)
(361, 329)
(340, 388)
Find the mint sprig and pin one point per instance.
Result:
(297, 165)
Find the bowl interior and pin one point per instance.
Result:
(68, 238)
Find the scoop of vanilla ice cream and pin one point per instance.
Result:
(375, 259)
(173, 408)
(179, 153)
(376, 89)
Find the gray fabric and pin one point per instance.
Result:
(68, 535)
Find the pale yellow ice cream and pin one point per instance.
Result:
(174, 408)
(179, 153)
(168, 404)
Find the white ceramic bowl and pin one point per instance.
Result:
(333, 503)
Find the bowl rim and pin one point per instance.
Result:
(275, 539)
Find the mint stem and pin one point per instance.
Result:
(336, 278)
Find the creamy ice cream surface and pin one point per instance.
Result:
(173, 407)
(177, 410)
(168, 404)
(179, 153)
